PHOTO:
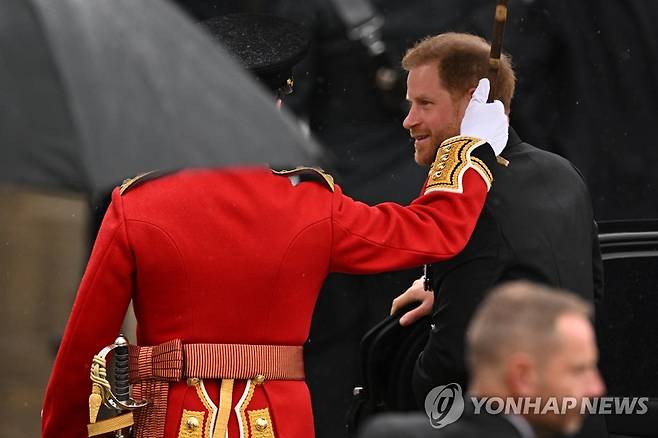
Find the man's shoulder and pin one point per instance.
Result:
(305, 173)
(530, 182)
(470, 425)
(417, 425)
(528, 151)
(184, 180)
(528, 162)
(548, 156)
(398, 425)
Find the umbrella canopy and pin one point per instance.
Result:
(94, 91)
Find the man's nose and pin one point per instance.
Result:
(410, 121)
(596, 385)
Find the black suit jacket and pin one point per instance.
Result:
(537, 224)
(469, 425)
(417, 425)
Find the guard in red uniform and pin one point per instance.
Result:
(224, 267)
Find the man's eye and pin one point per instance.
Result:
(580, 369)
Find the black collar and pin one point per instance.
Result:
(513, 141)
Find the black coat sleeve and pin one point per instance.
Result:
(460, 285)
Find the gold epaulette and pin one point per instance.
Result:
(453, 158)
(130, 182)
(309, 174)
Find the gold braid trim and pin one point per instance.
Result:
(125, 185)
(225, 397)
(100, 386)
(110, 425)
(483, 170)
(313, 173)
(453, 158)
(241, 407)
(191, 424)
(260, 423)
(207, 403)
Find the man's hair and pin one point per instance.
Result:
(518, 317)
(462, 60)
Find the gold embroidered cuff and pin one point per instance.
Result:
(452, 159)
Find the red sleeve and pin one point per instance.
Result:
(99, 308)
(386, 237)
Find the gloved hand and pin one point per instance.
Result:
(486, 121)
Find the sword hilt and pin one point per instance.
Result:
(121, 370)
(117, 398)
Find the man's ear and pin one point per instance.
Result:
(463, 101)
(521, 374)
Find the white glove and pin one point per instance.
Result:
(486, 121)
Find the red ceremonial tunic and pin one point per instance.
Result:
(236, 256)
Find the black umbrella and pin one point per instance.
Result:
(93, 91)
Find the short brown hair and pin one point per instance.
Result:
(518, 316)
(462, 60)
